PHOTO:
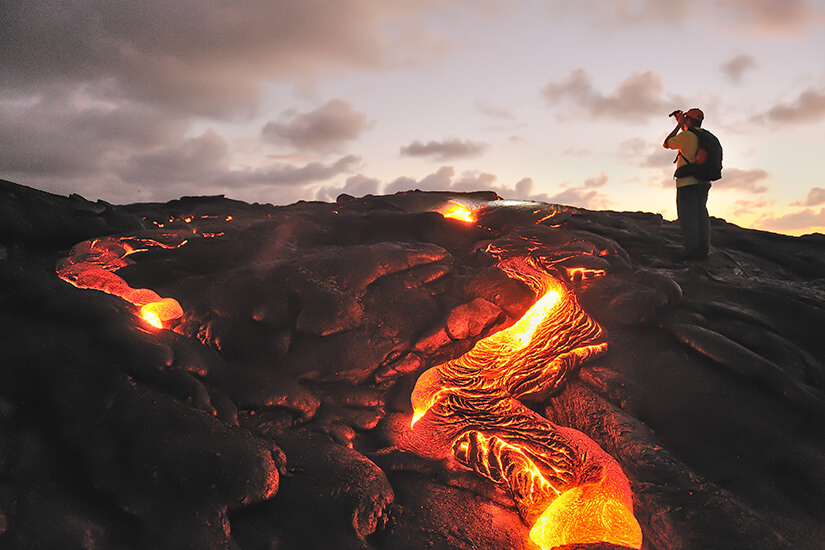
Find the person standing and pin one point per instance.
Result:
(691, 191)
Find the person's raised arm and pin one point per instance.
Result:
(675, 131)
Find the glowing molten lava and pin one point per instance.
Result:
(566, 487)
(156, 313)
(92, 265)
(459, 211)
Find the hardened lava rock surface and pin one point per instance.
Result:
(268, 416)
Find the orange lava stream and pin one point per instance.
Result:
(566, 487)
(92, 265)
(459, 211)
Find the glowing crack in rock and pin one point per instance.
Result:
(92, 265)
(566, 487)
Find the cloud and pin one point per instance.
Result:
(581, 196)
(743, 180)
(67, 136)
(325, 129)
(788, 17)
(189, 161)
(203, 163)
(584, 195)
(815, 197)
(439, 180)
(609, 14)
(598, 181)
(290, 174)
(493, 111)
(750, 207)
(475, 181)
(645, 154)
(639, 96)
(357, 186)
(575, 152)
(808, 107)
(795, 221)
(448, 149)
(736, 67)
(89, 88)
(445, 179)
(659, 157)
(193, 55)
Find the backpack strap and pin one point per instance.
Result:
(695, 131)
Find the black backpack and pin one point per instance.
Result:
(708, 165)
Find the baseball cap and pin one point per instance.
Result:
(696, 114)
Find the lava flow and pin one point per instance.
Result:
(92, 265)
(566, 487)
(459, 211)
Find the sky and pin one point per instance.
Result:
(275, 101)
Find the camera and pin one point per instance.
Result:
(676, 112)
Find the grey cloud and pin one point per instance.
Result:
(640, 95)
(660, 158)
(65, 136)
(444, 179)
(808, 107)
(749, 207)
(762, 16)
(582, 198)
(646, 154)
(815, 197)
(771, 16)
(744, 180)
(609, 14)
(584, 195)
(103, 83)
(748, 181)
(294, 175)
(190, 161)
(437, 181)
(577, 85)
(598, 181)
(794, 221)
(357, 186)
(324, 129)
(735, 68)
(447, 149)
(493, 111)
(475, 181)
(203, 162)
(403, 183)
(196, 56)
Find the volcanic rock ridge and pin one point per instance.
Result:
(268, 405)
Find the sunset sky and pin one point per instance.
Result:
(278, 101)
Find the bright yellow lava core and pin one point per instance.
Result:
(458, 211)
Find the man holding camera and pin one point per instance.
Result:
(691, 192)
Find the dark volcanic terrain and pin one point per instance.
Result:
(268, 416)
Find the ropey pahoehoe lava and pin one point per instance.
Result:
(417, 370)
(566, 487)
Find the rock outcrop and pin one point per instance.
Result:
(269, 414)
